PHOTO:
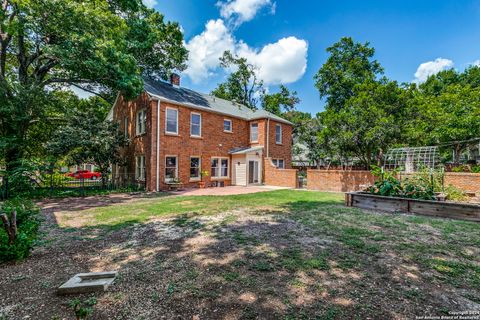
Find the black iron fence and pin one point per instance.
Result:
(40, 185)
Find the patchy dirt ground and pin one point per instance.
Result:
(330, 262)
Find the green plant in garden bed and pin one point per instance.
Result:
(20, 229)
(421, 185)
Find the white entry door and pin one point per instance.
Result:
(240, 172)
(253, 172)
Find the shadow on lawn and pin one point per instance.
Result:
(233, 266)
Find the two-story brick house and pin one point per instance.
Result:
(177, 133)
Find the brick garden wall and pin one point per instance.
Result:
(346, 181)
(468, 182)
(280, 177)
(338, 180)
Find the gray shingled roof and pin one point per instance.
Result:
(194, 99)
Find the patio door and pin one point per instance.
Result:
(253, 172)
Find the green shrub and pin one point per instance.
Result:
(461, 168)
(475, 169)
(28, 223)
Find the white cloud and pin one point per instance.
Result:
(150, 3)
(240, 11)
(206, 49)
(476, 63)
(284, 61)
(429, 68)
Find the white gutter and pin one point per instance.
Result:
(268, 138)
(157, 148)
(195, 106)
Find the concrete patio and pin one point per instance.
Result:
(225, 191)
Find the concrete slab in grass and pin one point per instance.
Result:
(88, 282)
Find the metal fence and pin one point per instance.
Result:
(41, 185)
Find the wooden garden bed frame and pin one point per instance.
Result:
(453, 210)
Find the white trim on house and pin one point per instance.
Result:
(141, 122)
(276, 163)
(251, 137)
(231, 125)
(176, 167)
(278, 141)
(157, 150)
(140, 165)
(199, 125)
(194, 106)
(166, 121)
(199, 169)
(219, 175)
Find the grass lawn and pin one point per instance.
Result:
(272, 255)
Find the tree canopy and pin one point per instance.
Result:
(50, 45)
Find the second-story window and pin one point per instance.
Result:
(196, 124)
(141, 122)
(254, 132)
(227, 125)
(278, 134)
(171, 121)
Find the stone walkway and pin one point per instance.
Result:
(225, 191)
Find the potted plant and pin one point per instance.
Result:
(202, 183)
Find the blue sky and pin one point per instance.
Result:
(405, 34)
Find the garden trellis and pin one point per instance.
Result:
(412, 159)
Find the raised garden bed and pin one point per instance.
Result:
(453, 210)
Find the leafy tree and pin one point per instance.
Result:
(349, 64)
(242, 85)
(281, 102)
(369, 123)
(88, 138)
(451, 117)
(97, 45)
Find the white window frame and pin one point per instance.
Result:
(125, 127)
(199, 169)
(191, 124)
(166, 121)
(219, 168)
(278, 141)
(176, 167)
(141, 127)
(251, 125)
(276, 163)
(231, 125)
(140, 167)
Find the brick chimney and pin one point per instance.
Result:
(175, 79)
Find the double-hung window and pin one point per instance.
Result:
(195, 124)
(171, 168)
(141, 126)
(140, 167)
(219, 168)
(278, 134)
(254, 132)
(171, 119)
(227, 125)
(279, 163)
(195, 167)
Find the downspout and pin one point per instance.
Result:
(268, 138)
(157, 180)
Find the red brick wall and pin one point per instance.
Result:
(468, 182)
(283, 150)
(279, 177)
(345, 181)
(338, 180)
(213, 143)
(139, 145)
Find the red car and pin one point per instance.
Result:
(84, 174)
